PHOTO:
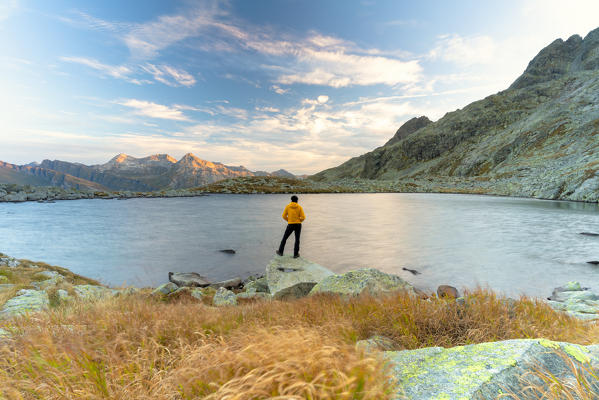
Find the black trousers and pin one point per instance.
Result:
(297, 228)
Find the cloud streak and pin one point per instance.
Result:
(154, 110)
(119, 71)
(170, 76)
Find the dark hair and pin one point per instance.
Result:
(294, 198)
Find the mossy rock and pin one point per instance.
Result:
(259, 285)
(165, 289)
(93, 292)
(365, 280)
(26, 301)
(483, 371)
(224, 297)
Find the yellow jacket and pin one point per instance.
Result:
(294, 213)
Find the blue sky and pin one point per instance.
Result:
(295, 84)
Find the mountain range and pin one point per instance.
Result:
(124, 172)
(537, 138)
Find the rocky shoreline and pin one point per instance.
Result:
(474, 371)
(268, 185)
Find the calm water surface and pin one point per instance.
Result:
(515, 246)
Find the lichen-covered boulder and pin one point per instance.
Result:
(575, 300)
(63, 296)
(93, 292)
(46, 274)
(375, 343)
(224, 297)
(190, 279)
(53, 279)
(483, 371)
(199, 293)
(365, 280)
(289, 277)
(165, 289)
(259, 285)
(9, 261)
(26, 301)
(254, 296)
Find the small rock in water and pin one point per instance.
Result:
(593, 262)
(589, 234)
(413, 271)
(228, 251)
(448, 291)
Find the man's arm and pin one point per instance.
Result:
(302, 215)
(285, 214)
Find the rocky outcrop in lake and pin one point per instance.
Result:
(538, 138)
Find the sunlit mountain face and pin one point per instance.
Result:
(124, 172)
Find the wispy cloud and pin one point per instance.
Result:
(115, 71)
(162, 73)
(315, 59)
(147, 39)
(84, 19)
(170, 76)
(154, 110)
(268, 109)
(463, 50)
(278, 90)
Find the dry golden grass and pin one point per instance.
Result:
(138, 347)
(540, 384)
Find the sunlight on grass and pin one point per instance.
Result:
(139, 347)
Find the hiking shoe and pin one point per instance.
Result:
(279, 253)
(296, 256)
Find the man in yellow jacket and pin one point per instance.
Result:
(294, 215)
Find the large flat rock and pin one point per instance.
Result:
(188, 279)
(289, 277)
(483, 371)
(25, 302)
(365, 280)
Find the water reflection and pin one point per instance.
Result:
(512, 245)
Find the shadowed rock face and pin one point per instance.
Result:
(408, 128)
(538, 138)
(561, 58)
(290, 278)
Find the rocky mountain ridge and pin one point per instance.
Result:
(124, 172)
(538, 138)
